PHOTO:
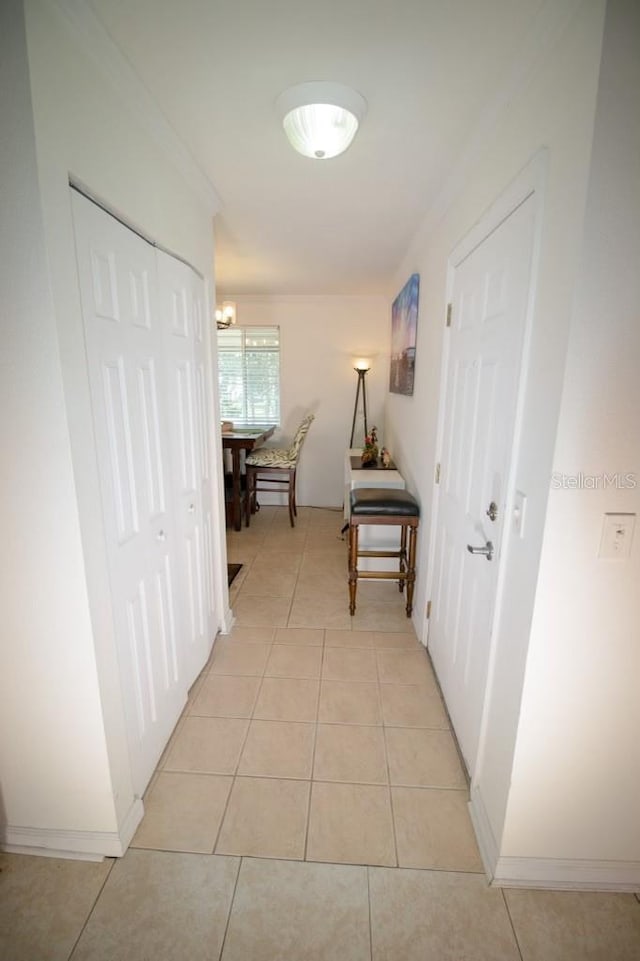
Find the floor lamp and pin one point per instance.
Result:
(361, 367)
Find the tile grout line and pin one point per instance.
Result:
(368, 870)
(386, 758)
(513, 927)
(313, 753)
(233, 897)
(393, 826)
(295, 586)
(91, 910)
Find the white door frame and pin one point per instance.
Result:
(531, 181)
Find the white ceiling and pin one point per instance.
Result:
(427, 68)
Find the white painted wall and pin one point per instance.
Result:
(551, 107)
(578, 734)
(319, 336)
(52, 743)
(62, 744)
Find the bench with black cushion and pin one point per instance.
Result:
(384, 506)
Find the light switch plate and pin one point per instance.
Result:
(617, 535)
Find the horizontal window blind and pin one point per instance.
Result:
(249, 375)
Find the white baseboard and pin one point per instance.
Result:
(75, 845)
(553, 874)
(228, 620)
(558, 874)
(487, 843)
(130, 824)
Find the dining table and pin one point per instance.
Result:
(237, 440)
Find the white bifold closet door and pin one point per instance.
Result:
(183, 312)
(143, 316)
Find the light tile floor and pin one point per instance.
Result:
(309, 807)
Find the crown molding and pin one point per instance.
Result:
(122, 78)
(299, 298)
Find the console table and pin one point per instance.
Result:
(378, 537)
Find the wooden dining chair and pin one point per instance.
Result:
(274, 469)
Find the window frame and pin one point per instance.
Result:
(236, 340)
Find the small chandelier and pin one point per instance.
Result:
(320, 118)
(225, 314)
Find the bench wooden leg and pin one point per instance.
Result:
(402, 564)
(251, 496)
(292, 497)
(411, 569)
(353, 567)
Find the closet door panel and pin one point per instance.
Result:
(188, 420)
(125, 360)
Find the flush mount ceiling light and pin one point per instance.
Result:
(320, 118)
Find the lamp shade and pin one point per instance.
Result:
(225, 314)
(361, 363)
(320, 118)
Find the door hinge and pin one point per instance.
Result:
(428, 609)
(449, 310)
(437, 473)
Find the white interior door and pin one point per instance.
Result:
(125, 355)
(489, 306)
(182, 295)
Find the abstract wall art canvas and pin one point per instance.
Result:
(404, 325)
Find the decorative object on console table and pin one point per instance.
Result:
(356, 464)
(404, 323)
(355, 475)
(369, 455)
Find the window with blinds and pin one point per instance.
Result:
(249, 375)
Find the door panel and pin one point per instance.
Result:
(165, 594)
(182, 310)
(151, 430)
(118, 426)
(125, 350)
(489, 304)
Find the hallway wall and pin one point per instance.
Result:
(53, 759)
(549, 112)
(65, 766)
(584, 661)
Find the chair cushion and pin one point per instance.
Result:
(286, 457)
(271, 457)
(383, 502)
